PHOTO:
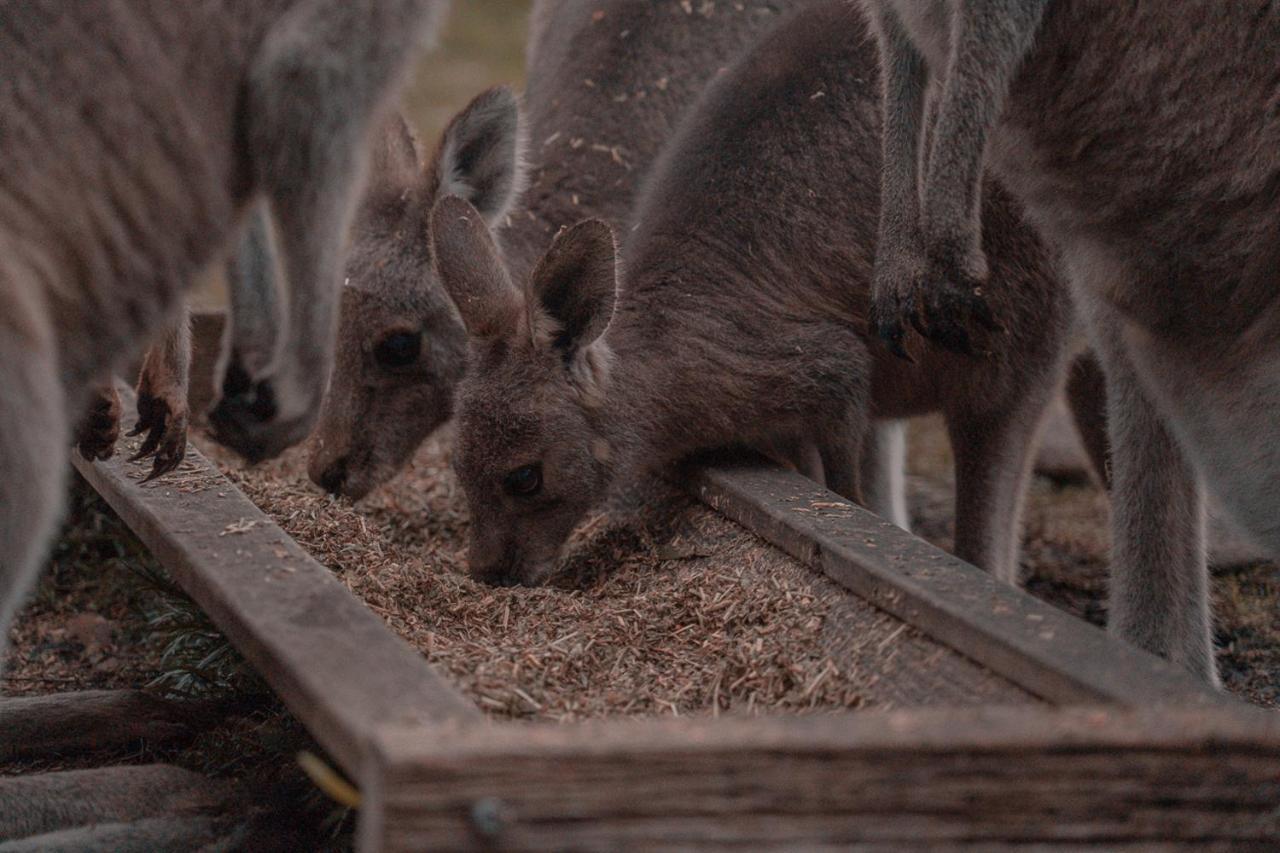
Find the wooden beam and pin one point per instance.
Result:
(40, 803)
(58, 724)
(1038, 647)
(337, 666)
(1026, 775)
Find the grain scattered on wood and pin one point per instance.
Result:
(663, 608)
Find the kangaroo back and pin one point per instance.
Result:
(606, 84)
(740, 319)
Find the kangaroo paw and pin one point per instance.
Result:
(163, 420)
(98, 431)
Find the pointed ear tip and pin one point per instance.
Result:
(596, 229)
(451, 206)
(501, 96)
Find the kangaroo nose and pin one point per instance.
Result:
(333, 478)
(494, 561)
(503, 576)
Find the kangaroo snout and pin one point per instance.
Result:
(494, 560)
(332, 477)
(499, 559)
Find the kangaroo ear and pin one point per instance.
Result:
(471, 269)
(394, 159)
(481, 155)
(576, 282)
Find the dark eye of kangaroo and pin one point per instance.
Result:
(398, 349)
(525, 481)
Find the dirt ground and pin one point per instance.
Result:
(104, 617)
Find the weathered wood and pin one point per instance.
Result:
(84, 721)
(941, 777)
(49, 802)
(336, 665)
(434, 775)
(150, 835)
(1038, 647)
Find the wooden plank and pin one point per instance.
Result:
(337, 666)
(40, 803)
(1025, 775)
(1034, 645)
(59, 724)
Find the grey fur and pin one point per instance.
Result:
(740, 319)
(136, 134)
(884, 459)
(1144, 141)
(375, 414)
(316, 80)
(606, 82)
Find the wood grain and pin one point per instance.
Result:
(337, 666)
(991, 776)
(60, 724)
(1034, 645)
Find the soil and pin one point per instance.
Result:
(104, 617)
(694, 615)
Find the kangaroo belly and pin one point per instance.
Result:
(1121, 148)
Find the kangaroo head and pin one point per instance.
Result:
(401, 347)
(531, 451)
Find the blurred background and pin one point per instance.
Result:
(481, 45)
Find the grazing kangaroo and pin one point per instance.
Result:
(400, 348)
(135, 136)
(740, 319)
(1144, 141)
(607, 81)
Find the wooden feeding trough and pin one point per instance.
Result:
(1091, 742)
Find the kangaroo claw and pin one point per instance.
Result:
(164, 423)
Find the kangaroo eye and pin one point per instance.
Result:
(525, 481)
(398, 349)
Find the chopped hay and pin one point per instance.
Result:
(664, 607)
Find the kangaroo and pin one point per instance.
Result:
(606, 82)
(400, 349)
(740, 319)
(161, 402)
(136, 136)
(1144, 142)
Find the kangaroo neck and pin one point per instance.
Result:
(651, 401)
